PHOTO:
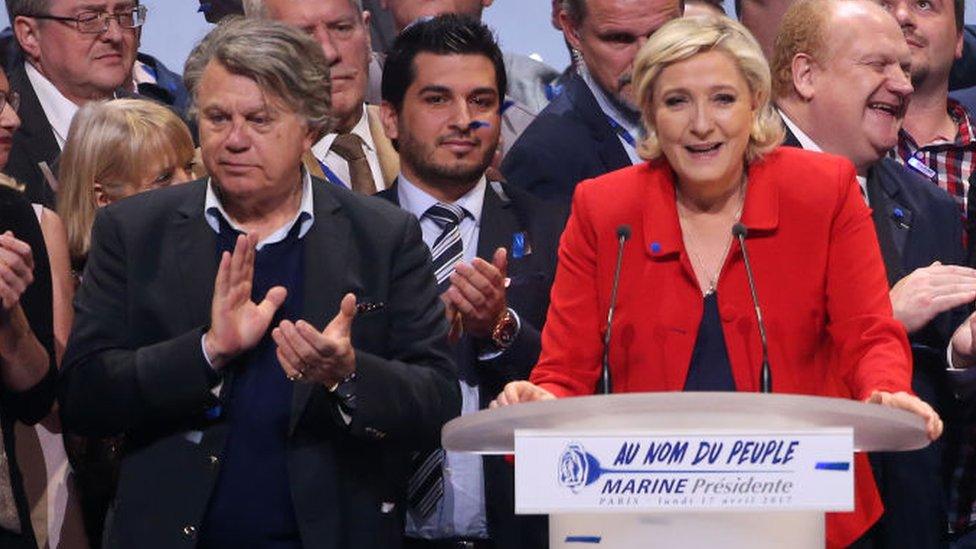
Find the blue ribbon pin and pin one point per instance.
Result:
(520, 246)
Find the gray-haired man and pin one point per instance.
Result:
(275, 406)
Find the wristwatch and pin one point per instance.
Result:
(505, 330)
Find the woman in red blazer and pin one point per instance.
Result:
(685, 318)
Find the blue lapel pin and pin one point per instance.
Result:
(899, 216)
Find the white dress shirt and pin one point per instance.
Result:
(461, 512)
(58, 109)
(808, 144)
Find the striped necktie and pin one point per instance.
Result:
(426, 486)
(448, 249)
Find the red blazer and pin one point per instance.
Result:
(819, 275)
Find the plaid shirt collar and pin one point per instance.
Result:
(964, 131)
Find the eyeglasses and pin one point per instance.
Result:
(11, 98)
(94, 22)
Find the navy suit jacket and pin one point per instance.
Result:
(507, 211)
(917, 223)
(568, 142)
(134, 365)
(967, 96)
(963, 73)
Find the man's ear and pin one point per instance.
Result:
(367, 18)
(803, 68)
(27, 31)
(389, 119)
(959, 45)
(311, 137)
(569, 30)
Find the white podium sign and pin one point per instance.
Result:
(712, 471)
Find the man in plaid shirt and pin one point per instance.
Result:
(938, 143)
(937, 140)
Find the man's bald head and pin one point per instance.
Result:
(841, 74)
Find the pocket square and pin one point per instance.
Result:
(364, 307)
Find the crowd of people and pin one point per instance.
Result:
(240, 303)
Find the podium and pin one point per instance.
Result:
(689, 470)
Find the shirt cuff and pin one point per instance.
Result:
(345, 393)
(216, 381)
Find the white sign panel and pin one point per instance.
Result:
(707, 471)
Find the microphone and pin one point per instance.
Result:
(740, 232)
(623, 234)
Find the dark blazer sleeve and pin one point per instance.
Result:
(408, 396)
(17, 216)
(107, 387)
(963, 73)
(533, 166)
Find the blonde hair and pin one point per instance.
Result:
(685, 37)
(112, 143)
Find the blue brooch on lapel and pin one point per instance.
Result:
(521, 246)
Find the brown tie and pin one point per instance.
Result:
(350, 147)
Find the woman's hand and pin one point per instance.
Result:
(520, 391)
(16, 270)
(913, 404)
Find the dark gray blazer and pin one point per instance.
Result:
(134, 365)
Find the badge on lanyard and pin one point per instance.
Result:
(921, 168)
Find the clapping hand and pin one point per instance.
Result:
(477, 292)
(16, 270)
(236, 322)
(919, 297)
(325, 357)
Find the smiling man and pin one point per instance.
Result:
(841, 81)
(593, 127)
(494, 249)
(76, 51)
(249, 332)
(357, 154)
(937, 140)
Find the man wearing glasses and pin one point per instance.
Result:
(75, 51)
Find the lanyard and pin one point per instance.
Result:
(622, 131)
(330, 175)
